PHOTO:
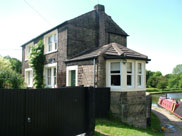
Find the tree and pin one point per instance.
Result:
(177, 69)
(37, 59)
(173, 81)
(157, 74)
(162, 83)
(8, 77)
(180, 81)
(15, 64)
(153, 78)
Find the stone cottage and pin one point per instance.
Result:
(91, 50)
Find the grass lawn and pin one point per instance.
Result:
(155, 90)
(106, 127)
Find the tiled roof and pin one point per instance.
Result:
(112, 50)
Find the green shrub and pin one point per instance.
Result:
(37, 59)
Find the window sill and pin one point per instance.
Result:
(130, 87)
(50, 52)
(115, 87)
(140, 87)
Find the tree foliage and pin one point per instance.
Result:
(177, 69)
(170, 81)
(37, 58)
(15, 64)
(9, 78)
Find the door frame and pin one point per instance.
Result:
(68, 75)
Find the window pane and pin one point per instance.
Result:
(54, 76)
(55, 37)
(139, 80)
(28, 77)
(49, 76)
(129, 67)
(50, 43)
(129, 80)
(115, 67)
(139, 68)
(55, 41)
(115, 80)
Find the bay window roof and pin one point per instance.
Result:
(111, 51)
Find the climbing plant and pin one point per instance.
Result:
(37, 59)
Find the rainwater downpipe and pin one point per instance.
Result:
(94, 71)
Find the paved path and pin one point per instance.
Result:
(172, 124)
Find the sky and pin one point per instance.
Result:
(154, 26)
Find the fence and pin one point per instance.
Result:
(49, 112)
(102, 102)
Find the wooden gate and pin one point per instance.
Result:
(46, 112)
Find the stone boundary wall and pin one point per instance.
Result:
(129, 107)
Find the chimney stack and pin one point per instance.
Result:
(99, 8)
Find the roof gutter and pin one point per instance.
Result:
(88, 58)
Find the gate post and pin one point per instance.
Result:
(90, 111)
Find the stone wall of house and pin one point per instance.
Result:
(129, 107)
(86, 75)
(61, 57)
(91, 30)
(85, 72)
(82, 34)
(51, 57)
(117, 39)
(101, 72)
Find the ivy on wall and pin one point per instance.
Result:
(37, 59)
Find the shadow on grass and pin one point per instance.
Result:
(99, 134)
(105, 125)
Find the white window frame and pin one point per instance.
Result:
(132, 74)
(28, 50)
(51, 66)
(142, 75)
(27, 70)
(54, 42)
(119, 86)
(68, 75)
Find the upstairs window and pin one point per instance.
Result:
(28, 50)
(51, 41)
(139, 75)
(115, 74)
(130, 74)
